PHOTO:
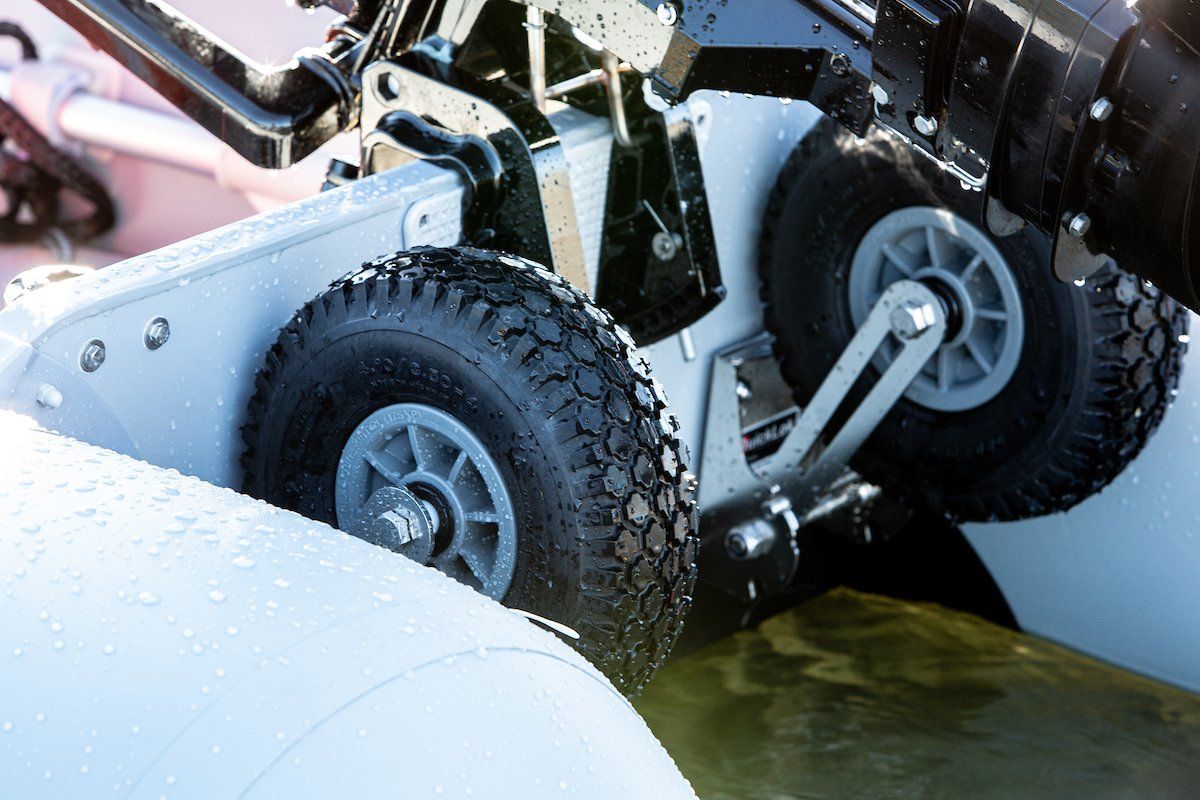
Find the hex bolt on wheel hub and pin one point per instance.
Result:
(397, 519)
(416, 480)
(960, 262)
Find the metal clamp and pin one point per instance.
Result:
(535, 215)
(402, 136)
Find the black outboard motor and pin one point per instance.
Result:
(1078, 117)
(1137, 175)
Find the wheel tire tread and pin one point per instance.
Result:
(1137, 340)
(550, 337)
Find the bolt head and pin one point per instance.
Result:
(879, 94)
(750, 539)
(1080, 224)
(92, 356)
(1101, 109)
(668, 14)
(910, 320)
(664, 246)
(926, 126)
(158, 330)
(402, 524)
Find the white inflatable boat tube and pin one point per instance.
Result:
(168, 638)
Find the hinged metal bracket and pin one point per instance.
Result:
(734, 494)
(535, 213)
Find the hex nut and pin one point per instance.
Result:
(1080, 224)
(910, 320)
(926, 126)
(403, 525)
(157, 331)
(92, 355)
(1101, 109)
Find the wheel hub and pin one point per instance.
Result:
(411, 460)
(963, 266)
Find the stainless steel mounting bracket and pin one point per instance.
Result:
(535, 216)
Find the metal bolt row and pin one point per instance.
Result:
(94, 352)
(1080, 223)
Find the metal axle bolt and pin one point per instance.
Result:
(1080, 224)
(880, 94)
(926, 126)
(912, 319)
(1101, 109)
(403, 525)
(156, 334)
(668, 14)
(92, 356)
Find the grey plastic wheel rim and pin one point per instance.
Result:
(935, 245)
(435, 456)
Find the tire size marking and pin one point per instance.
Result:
(383, 373)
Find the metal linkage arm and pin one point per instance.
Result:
(755, 510)
(911, 312)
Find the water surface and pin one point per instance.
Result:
(855, 695)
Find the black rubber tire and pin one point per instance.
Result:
(553, 388)
(1098, 368)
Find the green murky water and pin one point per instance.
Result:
(853, 695)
